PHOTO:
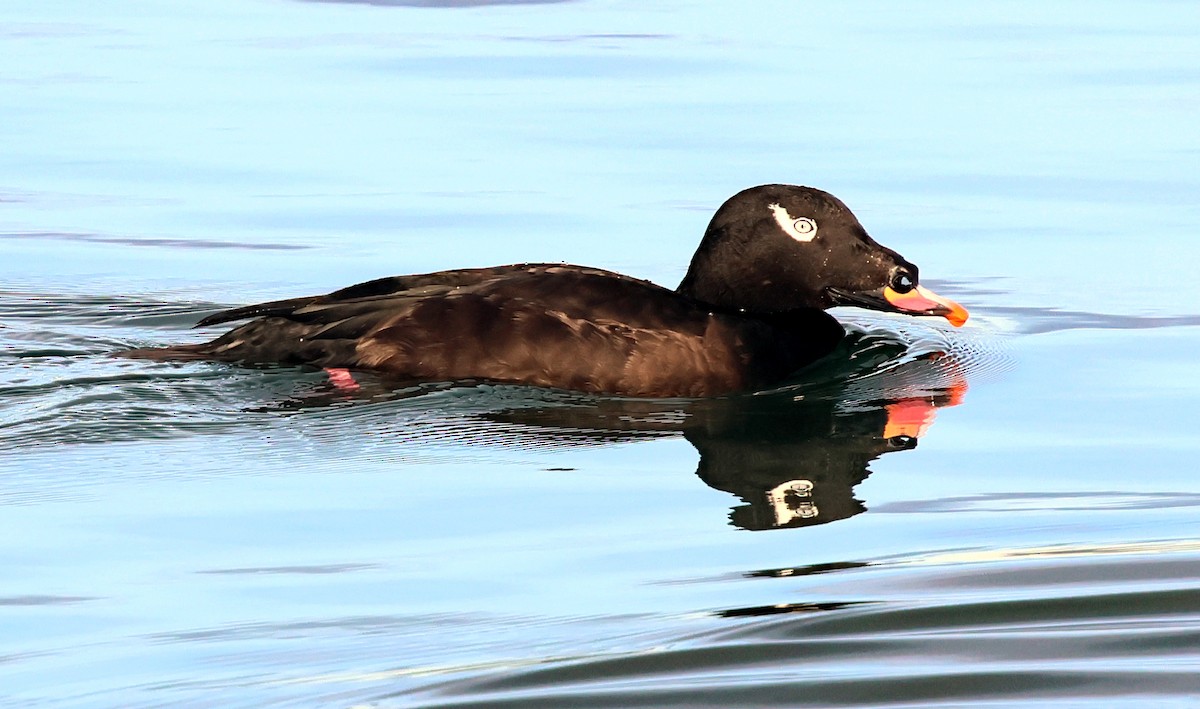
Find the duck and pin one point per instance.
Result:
(749, 313)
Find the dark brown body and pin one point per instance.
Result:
(749, 312)
(601, 332)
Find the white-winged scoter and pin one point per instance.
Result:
(749, 312)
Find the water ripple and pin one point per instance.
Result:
(1039, 643)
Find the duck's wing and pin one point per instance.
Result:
(545, 324)
(274, 308)
(570, 293)
(372, 293)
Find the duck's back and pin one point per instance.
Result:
(540, 324)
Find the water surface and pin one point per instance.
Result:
(1001, 514)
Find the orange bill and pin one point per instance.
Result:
(923, 301)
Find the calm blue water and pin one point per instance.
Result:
(207, 535)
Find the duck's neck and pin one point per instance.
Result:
(754, 293)
(707, 283)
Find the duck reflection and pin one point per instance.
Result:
(798, 466)
(792, 456)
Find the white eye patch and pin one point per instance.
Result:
(799, 228)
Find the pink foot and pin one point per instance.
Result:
(341, 379)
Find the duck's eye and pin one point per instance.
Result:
(802, 229)
(805, 227)
(902, 282)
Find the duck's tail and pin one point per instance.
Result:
(174, 353)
